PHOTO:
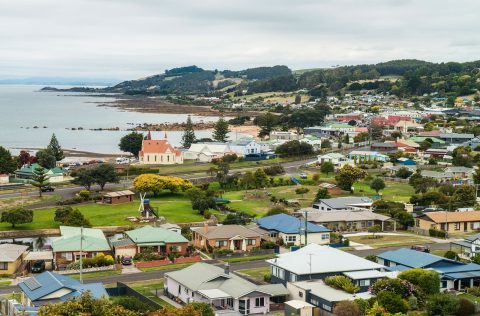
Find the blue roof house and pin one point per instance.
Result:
(50, 288)
(406, 161)
(292, 230)
(453, 274)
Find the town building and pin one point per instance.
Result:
(232, 237)
(351, 220)
(292, 230)
(223, 290)
(159, 152)
(118, 197)
(11, 258)
(26, 173)
(150, 239)
(311, 263)
(75, 241)
(451, 222)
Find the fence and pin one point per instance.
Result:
(246, 254)
(86, 270)
(124, 290)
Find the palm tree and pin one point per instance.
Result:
(40, 242)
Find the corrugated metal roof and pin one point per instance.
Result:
(288, 224)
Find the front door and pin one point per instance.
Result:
(465, 226)
(244, 306)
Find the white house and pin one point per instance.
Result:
(205, 152)
(246, 146)
(211, 284)
(338, 160)
(343, 203)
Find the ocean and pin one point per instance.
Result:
(24, 107)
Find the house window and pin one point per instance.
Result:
(273, 234)
(155, 157)
(259, 302)
(230, 302)
(176, 248)
(293, 277)
(325, 236)
(68, 256)
(326, 307)
(278, 272)
(220, 243)
(3, 266)
(250, 242)
(364, 282)
(291, 238)
(300, 294)
(457, 226)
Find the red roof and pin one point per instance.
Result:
(389, 120)
(161, 146)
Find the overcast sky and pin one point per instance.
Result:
(126, 39)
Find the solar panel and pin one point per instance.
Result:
(32, 284)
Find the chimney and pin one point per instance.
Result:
(226, 269)
(205, 226)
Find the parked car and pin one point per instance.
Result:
(48, 188)
(303, 175)
(126, 261)
(38, 266)
(420, 248)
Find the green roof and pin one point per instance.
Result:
(31, 169)
(154, 235)
(93, 240)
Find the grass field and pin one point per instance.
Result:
(387, 240)
(256, 273)
(8, 203)
(95, 274)
(168, 267)
(148, 289)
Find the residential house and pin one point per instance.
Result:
(406, 127)
(407, 146)
(76, 240)
(322, 296)
(384, 147)
(292, 230)
(223, 290)
(11, 257)
(4, 178)
(245, 147)
(316, 262)
(435, 153)
(280, 135)
(403, 161)
(453, 274)
(206, 152)
(338, 160)
(343, 203)
(26, 173)
(150, 239)
(118, 197)
(159, 152)
(349, 220)
(50, 288)
(470, 245)
(435, 141)
(456, 138)
(472, 143)
(365, 155)
(453, 175)
(345, 118)
(460, 173)
(232, 237)
(451, 222)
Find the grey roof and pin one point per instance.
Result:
(345, 216)
(459, 169)
(122, 243)
(202, 276)
(226, 232)
(320, 289)
(311, 259)
(436, 174)
(456, 135)
(11, 252)
(343, 202)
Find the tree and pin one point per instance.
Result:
(61, 213)
(452, 255)
(222, 170)
(465, 307)
(156, 184)
(348, 175)
(76, 218)
(201, 200)
(221, 130)
(392, 302)
(267, 123)
(40, 242)
(326, 144)
(302, 191)
(294, 148)
(17, 216)
(426, 280)
(403, 173)
(24, 158)
(7, 163)
(346, 308)
(46, 158)
(260, 178)
(131, 143)
(322, 193)
(376, 132)
(374, 229)
(327, 167)
(84, 177)
(298, 99)
(86, 305)
(377, 184)
(476, 176)
(105, 173)
(464, 196)
(55, 149)
(405, 219)
(442, 305)
(40, 179)
(188, 137)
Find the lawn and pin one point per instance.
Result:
(256, 273)
(95, 274)
(148, 289)
(167, 267)
(8, 203)
(388, 240)
(250, 258)
(394, 191)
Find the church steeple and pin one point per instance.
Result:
(165, 134)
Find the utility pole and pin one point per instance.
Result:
(306, 229)
(81, 254)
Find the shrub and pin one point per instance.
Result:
(412, 303)
(362, 304)
(465, 308)
(372, 258)
(475, 291)
(84, 194)
(341, 282)
(274, 170)
(436, 233)
(346, 308)
(133, 304)
(442, 305)
(267, 277)
(316, 177)
(393, 303)
(425, 280)
(451, 255)
(401, 287)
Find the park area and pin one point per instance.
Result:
(177, 207)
